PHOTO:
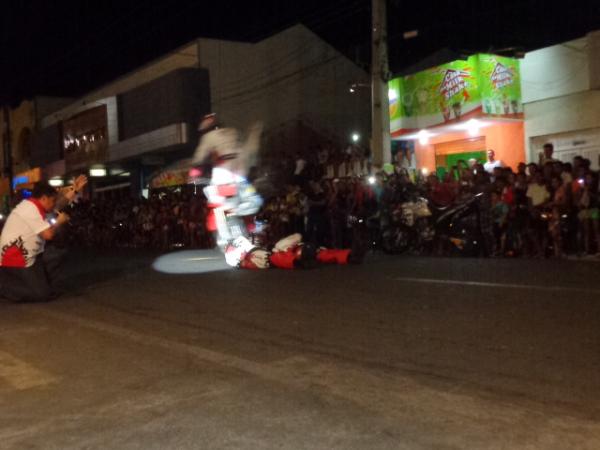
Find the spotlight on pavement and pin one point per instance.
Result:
(191, 261)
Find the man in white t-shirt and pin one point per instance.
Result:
(492, 162)
(26, 272)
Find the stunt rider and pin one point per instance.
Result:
(231, 198)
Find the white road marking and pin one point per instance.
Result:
(535, 287)
(22, 375)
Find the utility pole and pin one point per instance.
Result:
(7, 147)
(380, 115)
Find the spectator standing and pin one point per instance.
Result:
(492, 162)
(538, 197)
(500, 212)
(547, 156)
(559, 207)
(316, 221)
(588, 204)
(441, 194)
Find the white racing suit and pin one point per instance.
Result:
(242, 253)
(231, 198)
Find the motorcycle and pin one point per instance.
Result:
(408, 227)
(230, 203)
(458, 228)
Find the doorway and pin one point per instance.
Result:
(448, 154)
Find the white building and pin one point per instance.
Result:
(294, 82)
(561, 97)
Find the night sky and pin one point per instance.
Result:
(67, 48)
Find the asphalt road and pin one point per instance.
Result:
(399, 353)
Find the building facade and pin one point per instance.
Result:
(143, 121)
(456, 111)
(438, 115)
(561, 98)
(19, 132)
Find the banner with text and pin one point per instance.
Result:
(482, 85)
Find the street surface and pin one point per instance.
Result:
(399, 353)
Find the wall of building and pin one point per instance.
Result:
(182, 95)
(558, 94)
(505, 139)
(555, 71)
(46, 146)
(44, 106)
(183, 57)
(289, 75)
(593, 53)
(291, 78)
(574, 112)
(29, 148)
(585, 143)
(292, 75)
(22, 125)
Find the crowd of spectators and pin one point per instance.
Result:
(168, 219)
(323, 211)
(550, 208)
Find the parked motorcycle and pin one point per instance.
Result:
(458, 228)
(407, 227)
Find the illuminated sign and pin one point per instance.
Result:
(23, 179)
(481, 85)
(26, 178)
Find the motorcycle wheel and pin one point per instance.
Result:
(395, 241)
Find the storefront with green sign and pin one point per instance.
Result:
(451, 110)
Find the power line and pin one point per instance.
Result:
(251, 95)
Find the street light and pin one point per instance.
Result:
(423, 137)
(355, 137)
(355, 86)
(56, 182)
(98, 172)
(473, 127)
